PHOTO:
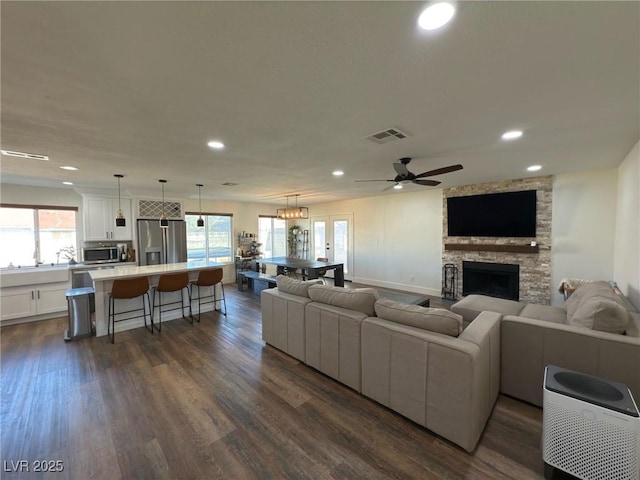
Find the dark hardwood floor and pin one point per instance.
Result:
(210, 400)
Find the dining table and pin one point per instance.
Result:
(311, 267)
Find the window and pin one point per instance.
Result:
(272, 234)
(39, 234)
(213, 242)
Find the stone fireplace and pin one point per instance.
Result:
(532, 260)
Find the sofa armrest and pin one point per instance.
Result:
(447, 384)
(484, 331)
(283, 324)
(528, 345)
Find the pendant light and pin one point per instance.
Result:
(164, 222)
(120, 220)
(292, 213)
(200, 221)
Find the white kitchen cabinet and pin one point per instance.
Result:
(100, 219)
(20, 302)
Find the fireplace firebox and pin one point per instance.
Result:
(500, 280)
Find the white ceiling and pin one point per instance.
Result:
(293, 89)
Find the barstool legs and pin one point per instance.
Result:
(182, 307)
(215, 299)
(145, 312)
(111, 323)
(224, 300)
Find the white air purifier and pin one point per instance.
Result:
(591, 426)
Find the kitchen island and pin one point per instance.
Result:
(103, 280)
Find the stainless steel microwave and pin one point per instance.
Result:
(101, 254)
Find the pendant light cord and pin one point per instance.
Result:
(119, 205)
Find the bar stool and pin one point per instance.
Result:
(126, 289)
(210, 278)
(167, 283)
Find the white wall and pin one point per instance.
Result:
(627, 244)
(583, 227)
(245, 215)
(397, 238)
(25, 195)
(59, 197)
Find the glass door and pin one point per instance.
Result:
(332, 238)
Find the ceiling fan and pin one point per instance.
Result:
(404, 175)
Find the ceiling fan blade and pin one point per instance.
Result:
(440, 171)
(357, 181)
(427, 183)
(401, 169)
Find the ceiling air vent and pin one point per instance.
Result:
(388, 135)
(32, 156)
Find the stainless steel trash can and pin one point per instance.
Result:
(79, 305)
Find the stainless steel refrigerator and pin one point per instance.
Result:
(161, 245)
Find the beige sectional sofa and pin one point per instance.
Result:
(597, 332)
(416, 361)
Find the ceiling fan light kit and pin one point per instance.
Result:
(292, 213)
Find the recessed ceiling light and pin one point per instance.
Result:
(32, 156)
(216, 145)
(534, 168)
(338, 173)
(512, 134)
(67, 183)
(436, 15)
(68, 167)
(398, 186)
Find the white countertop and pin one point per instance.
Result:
(134, 271)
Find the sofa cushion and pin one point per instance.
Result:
(471, 306)
(600, 313)
(295, 287)
(436, 320)
(358, 299)
(544, 312)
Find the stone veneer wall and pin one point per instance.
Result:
(535, 268)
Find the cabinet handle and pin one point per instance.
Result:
(32, 296)
(38, 294)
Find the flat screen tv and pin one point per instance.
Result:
(509, 214)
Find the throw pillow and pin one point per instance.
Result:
(599, 288)
(633, 327)
(436, 320)
(295, 287)
(358, 299)
(600, 313)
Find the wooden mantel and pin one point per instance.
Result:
(484, 247)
